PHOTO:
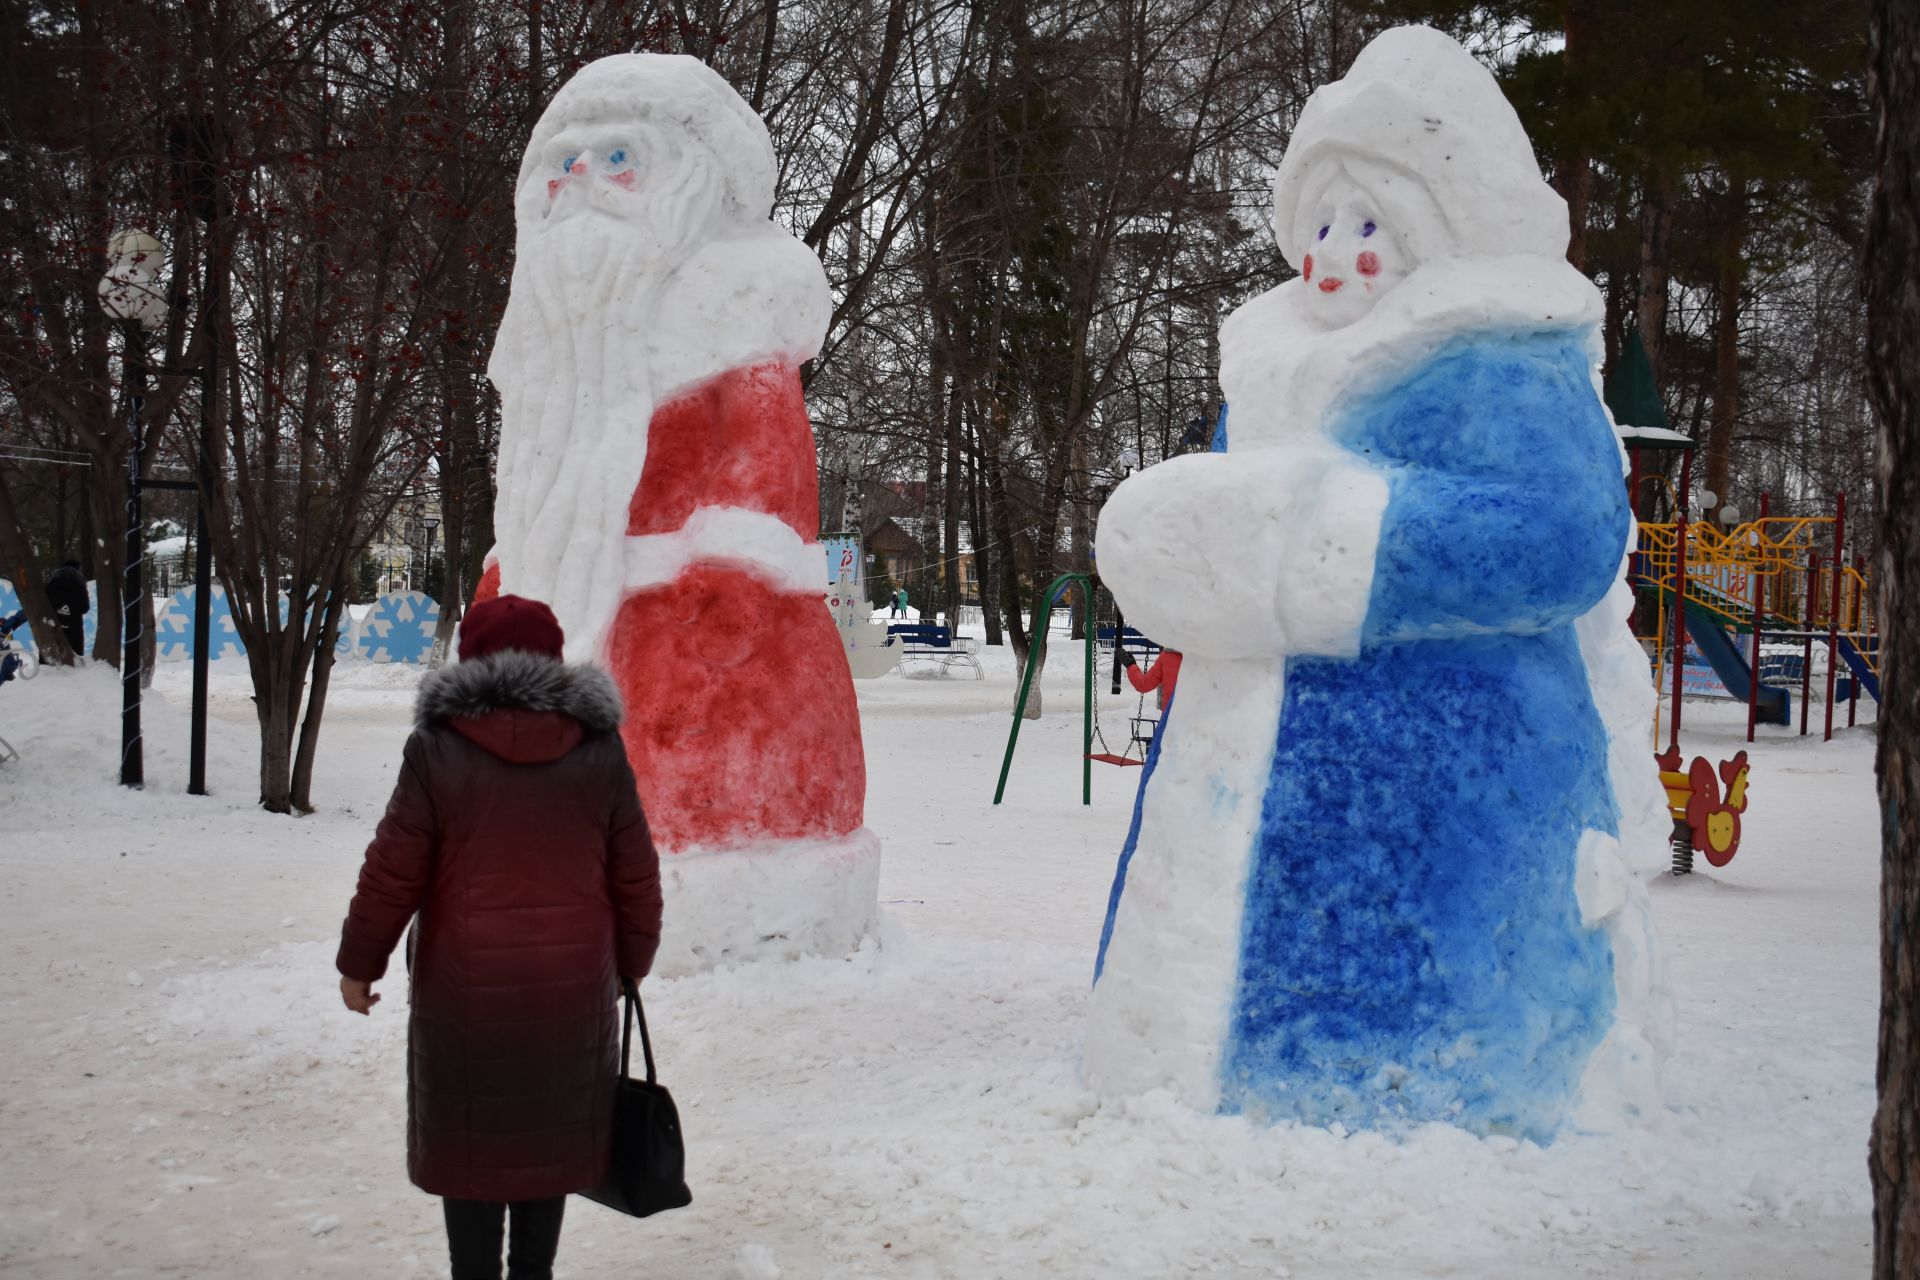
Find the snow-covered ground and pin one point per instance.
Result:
(184, 1096)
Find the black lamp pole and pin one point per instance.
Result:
(202, 551)
(426, 573)
(132, 761)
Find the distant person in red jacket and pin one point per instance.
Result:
(1162, 675)
(515, 833)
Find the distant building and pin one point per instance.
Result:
(399, 547)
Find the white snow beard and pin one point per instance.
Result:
(576, 399)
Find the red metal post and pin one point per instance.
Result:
(1759, 615)
(1859, 620)
(1679, 627)
(1633, 552)
(1833, 607)
(1806, 658)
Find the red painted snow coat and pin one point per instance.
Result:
(1163, 675)
(731, 681)
(516, 834)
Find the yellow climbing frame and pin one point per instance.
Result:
(1772, 571)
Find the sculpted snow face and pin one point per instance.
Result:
(657, 488)
(1356, 257)
(1388, 862)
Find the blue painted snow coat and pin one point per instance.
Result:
(1411, 947)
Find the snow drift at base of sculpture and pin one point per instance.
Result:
(658, 489)
(1388, 864)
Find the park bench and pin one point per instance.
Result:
(935, 643)
(1135, 643)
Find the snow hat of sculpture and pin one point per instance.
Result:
(1425, 129)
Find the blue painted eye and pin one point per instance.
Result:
(1368, 230)
(566, 166)
(1323, 233)
(618, 157)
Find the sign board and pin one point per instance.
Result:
(844, 562)
(1699, 679)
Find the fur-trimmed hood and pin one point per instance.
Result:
(512, 680)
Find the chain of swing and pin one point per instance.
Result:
(1106, 613)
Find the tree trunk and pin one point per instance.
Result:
(1656, 221)
(17, 562)
(323, 658)
(107, 507)
(1726, 349)
(1893, 340)
(950, 506)
(987, 547)
(1573, 175)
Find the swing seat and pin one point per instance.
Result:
(1107, 757)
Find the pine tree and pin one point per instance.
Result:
(1893, 309)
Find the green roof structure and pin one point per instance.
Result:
(1633, 397)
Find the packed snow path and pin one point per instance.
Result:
(184, 1096)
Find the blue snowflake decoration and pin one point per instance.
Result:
(173, 628)
(10, 605)
(399, 628)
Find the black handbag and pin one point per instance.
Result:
(649, 1169)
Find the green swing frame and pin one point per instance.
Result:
(1036, 658)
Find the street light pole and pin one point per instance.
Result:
(202, 549)
(132, 758)
(130, 294)
(432, 524)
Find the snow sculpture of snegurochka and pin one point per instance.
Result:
(1389, 864)
(657, 488)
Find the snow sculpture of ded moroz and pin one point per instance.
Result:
(1389, 863)
(658, 489)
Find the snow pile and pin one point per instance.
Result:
(913, 1110)
(773, 902)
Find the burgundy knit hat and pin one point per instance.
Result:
(510, 622)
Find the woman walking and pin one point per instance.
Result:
(515, 834)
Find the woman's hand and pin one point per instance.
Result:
(359, 995)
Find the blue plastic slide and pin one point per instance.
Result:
(1723, 652)
(1869, 678)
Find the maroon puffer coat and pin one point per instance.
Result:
(516, 834)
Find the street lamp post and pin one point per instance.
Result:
(431, 523)
(130, 294)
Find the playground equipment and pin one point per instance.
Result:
(1035, 657)
(1702, 819)
(1142, 728)
(1766, 579)
(1757, 582)
(1091, 733)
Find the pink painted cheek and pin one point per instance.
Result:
(553, 187)
(622, 180)
(1306, 268)
(1367, 264)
